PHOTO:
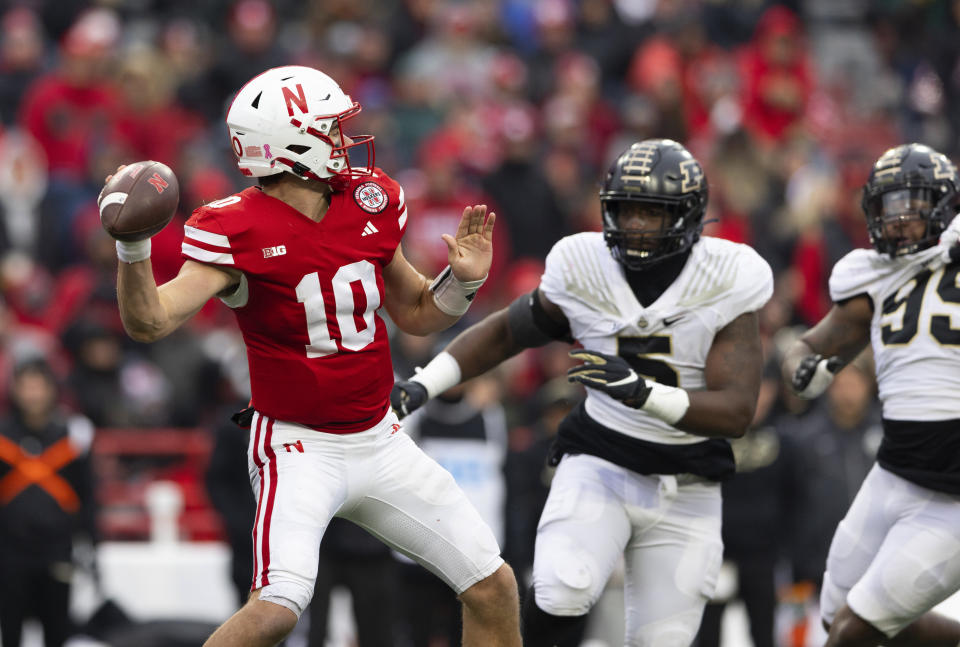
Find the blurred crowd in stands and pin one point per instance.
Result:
(519, 104)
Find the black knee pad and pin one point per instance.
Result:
(541, 629)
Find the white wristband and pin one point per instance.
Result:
(133, 252)
(669, 403)
(453, 296)
(440, 374)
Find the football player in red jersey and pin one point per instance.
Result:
(306, 259)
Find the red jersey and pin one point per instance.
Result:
(318, 352)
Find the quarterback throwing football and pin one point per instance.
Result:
(671, 355)
(896, 554)
(306, 259)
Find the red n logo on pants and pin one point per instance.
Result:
(291, 446)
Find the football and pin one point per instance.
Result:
(139, 201)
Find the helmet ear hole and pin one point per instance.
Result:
(299, 149)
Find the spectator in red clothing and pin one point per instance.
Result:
(153, 124)
(70, 110)
(656, 73)
(777, 75)
(813, 195)
(711, 83)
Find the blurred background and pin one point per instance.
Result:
(519, 104)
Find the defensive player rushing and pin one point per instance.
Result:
(897, 552)
(305, 260)
(671, 353)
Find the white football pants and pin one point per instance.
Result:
(666, 527)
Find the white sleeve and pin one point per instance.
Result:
(853, 275)
(576, 280)
(752, 287)
(756, 280)
(206, 246)
(552, 283)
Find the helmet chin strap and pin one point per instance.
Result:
(649, 283)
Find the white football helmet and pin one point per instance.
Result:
(282, 120)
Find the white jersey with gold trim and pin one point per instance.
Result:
(667, 341)
(915, 330)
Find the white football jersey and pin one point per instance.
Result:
(667, 341)
(915, 330)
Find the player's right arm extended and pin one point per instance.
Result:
(149, 312)
(811, 362)
(530, 321)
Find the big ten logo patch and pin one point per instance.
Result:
(278, 250)
(371, 197)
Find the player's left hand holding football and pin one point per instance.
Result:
(610, 374)
(471, 252)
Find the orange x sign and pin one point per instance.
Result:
(38, 470)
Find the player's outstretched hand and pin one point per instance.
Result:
(814, 375)
(406, 397)
(471, 252)
(610, 374)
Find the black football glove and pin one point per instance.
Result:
(814, 375)
(406, 397)
(610, 374)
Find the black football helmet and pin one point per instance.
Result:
(909, 183)
(662, 175)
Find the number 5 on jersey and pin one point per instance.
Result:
(637, 351)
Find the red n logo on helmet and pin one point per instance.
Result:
(292, 98)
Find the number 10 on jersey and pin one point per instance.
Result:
(352, 336)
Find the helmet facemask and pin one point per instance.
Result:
(335, 147)
(901, 221)
(639, 249)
